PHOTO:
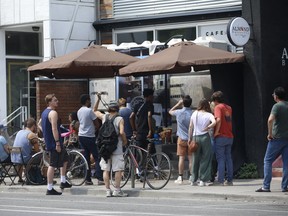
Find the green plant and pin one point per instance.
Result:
(247, 171)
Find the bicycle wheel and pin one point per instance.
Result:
(36, 170)
(158, 171)
(77, 168)
(125, 173)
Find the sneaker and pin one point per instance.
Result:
(108, 193)
(100, 183)
(88, 183)
(53, 192)
(216, 183)
(21, 181)
(190, 180)
(179, 180)
(228, 183)
(65, 185)
(208, 183)
(262, 190)
(285, 190)
(201, 184)
(194, 184)
(119, 193)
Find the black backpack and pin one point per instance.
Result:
(107, 139)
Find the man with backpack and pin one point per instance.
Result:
(111, 138)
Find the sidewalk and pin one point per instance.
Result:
(243, 190)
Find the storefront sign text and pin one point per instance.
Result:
(284, 57)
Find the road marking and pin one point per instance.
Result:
(69, 211)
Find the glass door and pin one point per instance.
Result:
(21, 88)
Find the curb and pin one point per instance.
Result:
(156, 194)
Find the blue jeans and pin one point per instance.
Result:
(223, 147)
(90, 147)
(276, 147)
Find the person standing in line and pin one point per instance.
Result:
(202, 120)
(116, 161)
(277, 140)
(28, 141)
(58, 155)
(125, 113)
(72, 140)
(142, 122)
(183, 116)
(87, 138)
(223, 138)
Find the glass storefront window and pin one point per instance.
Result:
(137, 37)
(188, 33)
(22, 43)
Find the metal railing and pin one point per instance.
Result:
(20, 112)
(7, 128)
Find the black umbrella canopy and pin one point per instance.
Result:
(91, 62)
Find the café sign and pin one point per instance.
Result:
(238, 31)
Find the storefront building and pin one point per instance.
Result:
(32, 31)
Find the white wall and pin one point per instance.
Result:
(70, 27)
(23, 11)
(66, 26)
(3, 106)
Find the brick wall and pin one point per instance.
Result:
(67, 92)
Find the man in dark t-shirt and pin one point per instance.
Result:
(141, 120)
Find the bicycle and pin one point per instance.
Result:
(36, 168)
(156, 170)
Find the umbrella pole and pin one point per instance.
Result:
(166, 101)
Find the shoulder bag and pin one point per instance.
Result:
(193, 145)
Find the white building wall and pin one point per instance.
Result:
(66, 25)
(70, 26)
(14, 12)
(3, 105)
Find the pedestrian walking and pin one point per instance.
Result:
(277, 140)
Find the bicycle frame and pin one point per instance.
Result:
(135, 164)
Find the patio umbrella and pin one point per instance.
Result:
(91, 62)
(179, 58)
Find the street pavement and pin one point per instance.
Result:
(243, 190)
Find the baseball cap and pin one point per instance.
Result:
(113, 105)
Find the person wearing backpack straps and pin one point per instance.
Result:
(116, 160)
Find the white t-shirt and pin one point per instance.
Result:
(203, 120)
(86, 117)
